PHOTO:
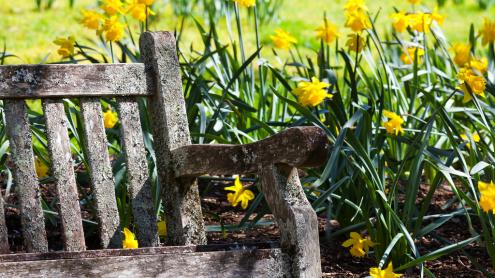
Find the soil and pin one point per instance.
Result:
(336, 260)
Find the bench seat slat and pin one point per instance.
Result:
(63, 171)
(4, 240)
(100, 172)
(237, 263)
(59, 81)
(26, 181)
(138, 182)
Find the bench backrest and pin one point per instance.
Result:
(158, 79)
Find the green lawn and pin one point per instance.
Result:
(29, 33)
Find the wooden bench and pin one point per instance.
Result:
(178, 164)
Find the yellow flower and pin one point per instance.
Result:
(462, 52)
(475, 137)
(414, 2)
(114, 30)
(355, 6)
(360, 245)
(376, 272)
(130, 241)
(138, 10)
(283, 39)
(112, 7)
(472, 84)
(355, 42)
(41, 168)
(146, 2)
(66, 48)
(110, 118)
(487, 200)
(488, 31)
(246, 3)
(240, 195)
(439, 18)
(408, 57)
(312, 93)
(91, 19)
(394, 124)
(420, 22)
(162, 228)
(479, 64)
(357, 21)
(327, 32)
(400, 21)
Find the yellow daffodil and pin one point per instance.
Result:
(110, 118)
(471, 83)
(355, 42)
(414, 2)
(420, 22)
(146, 2)
(388, 272)
(112, 7)
(475, 137)
(130, 241)
(355, 6)
(41, 168)
(283, 39)
(327, 32)
(360, 245)
(312, 93)
(357, 21)
(66, 48)
(436, 16)
(246, 3)
(394, 124)
(487, 199)
(408, 57)
(487, 32)
(462, 52)
(114, 30)
(479, 64)
(400, 21)
(162, 228)
(91, 19)
(138, 10)
(240, 195)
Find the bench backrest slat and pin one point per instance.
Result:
(100, 172)
(29, 194)
(42, 81)
(138, 183)
(62, 168)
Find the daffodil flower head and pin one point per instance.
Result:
(487, 31)
(487, 199)
(462, 52)
(66, 48)
(130, 241)
(376, 272)
(246, 3)
(394, 124)
(162, 228)
(357, 21)
(113, 29)
(359, 246)
(112, 7)
(327, 32)
(283, 39)
(110, 118)
(41, 168)
(400, 21)
(139, 10)
(312, 93)
(475, 137)
(355, 6)
(92, 19)
(411, 52)
(355, 42)
(239, 195)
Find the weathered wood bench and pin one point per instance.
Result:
(178, 164)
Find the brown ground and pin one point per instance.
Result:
(336, 260)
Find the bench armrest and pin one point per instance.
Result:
(296, 147)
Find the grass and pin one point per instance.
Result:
(28, 33)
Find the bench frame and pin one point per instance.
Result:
(179, 162)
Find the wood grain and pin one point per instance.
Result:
(138, 182)
(4, 240)
(100, 172)
(26, 181)
(63, 171)
(58, 81)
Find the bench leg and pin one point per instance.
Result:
(295, 217)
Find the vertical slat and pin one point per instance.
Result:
(170, 130)
(63, 172)
(4, 240)
(138, 182)
(26, 181)
(295, 217)
(100, 172)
